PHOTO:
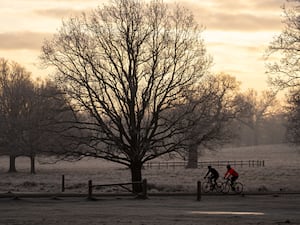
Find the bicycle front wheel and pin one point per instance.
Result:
(206, 187)
(238, 187)
(219, 187)
(226, 188)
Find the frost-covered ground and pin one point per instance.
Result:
(280, 173)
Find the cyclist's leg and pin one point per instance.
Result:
(213, 182)
(215, 179)
(218, 186)
(233, 179)
(210, 178)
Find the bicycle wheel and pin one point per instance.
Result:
(226, 188)
(238, 187)
(206, 187)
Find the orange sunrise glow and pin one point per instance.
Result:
(236, 33)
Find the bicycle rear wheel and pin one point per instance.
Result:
(206, 187)
(226, 188)
(238, 187)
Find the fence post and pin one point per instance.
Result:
(90, 189)
(63, 183)
(144, 186)
(198, 190)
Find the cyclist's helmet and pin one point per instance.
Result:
(209, 167)
(228, 166)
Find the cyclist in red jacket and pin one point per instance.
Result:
(232, 174)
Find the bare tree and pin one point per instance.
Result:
(293, 126)
(15, 89)
(126, 65)
(33, 115)
(284, 71)
(47, 122)
(217, 103)
(257, 107)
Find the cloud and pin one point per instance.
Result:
(240, 22)
(233, 15)
(58, 12)
(253, 5)
(237, 15)
(22, 40)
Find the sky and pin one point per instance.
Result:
(237, 32)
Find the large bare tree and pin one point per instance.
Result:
(127, 64)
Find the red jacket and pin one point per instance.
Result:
(231, 172)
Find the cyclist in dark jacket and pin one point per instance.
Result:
(214, 174)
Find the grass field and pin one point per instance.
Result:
(280, 173)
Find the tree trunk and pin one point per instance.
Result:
(32, 164)
(12, 164)
(193, 157)
(256, 134)
(136, 176)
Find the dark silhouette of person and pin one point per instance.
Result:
(213, 175)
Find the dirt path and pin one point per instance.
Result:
(212, 210)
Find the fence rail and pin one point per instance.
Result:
(201, 164)
(143, 184)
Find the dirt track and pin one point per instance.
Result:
(212, 210)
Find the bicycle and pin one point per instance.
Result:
(236, 187)
(209, 186)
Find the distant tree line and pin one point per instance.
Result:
(33, 115)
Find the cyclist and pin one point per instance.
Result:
(232, 174)
(214, 175)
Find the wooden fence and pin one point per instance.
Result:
(125, 186)
(183, 164)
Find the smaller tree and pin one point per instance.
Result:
(256, 109)
(284, 49)
(33, 115)
(46, 123)
(285, 69)
(15, 90)
(293, 126)
(216, 103)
